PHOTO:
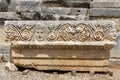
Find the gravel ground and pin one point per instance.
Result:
(39, 75)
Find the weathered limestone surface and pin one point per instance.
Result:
(65, 11)
(11, 67)
(105, 4)
(4, 48)
(58, 26)
(3, 5)
(8, 16)
(61, 45)
(105, 12)
(77, 3)
(55, 13)
(115, 52)
(4, 51)
(25, 5)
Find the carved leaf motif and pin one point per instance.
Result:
(15, 33)
(61, 32)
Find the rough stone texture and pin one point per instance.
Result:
(65, 11)
(4, 48)
(115, 63)
(2, 36)
(105, 4)
(10, 67)
(6, 57)
(8, 16)
(115, 52)
(1, 57)
(117, 20)
(77, 3)
(3, 5)
(105, 12)
(61, 45)
(30, 16)
(72, 35)
(25, 5)
(47, 75)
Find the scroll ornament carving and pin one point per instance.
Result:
(63, 32)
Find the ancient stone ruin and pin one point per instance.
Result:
(61, 45)
(68, 35)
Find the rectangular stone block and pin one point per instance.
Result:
(3, 5)
(56, 10)
(8, 16)
(105, 12)
(105, 4)
(33, 27)
(61, 45)
(55, 13)
(25, 5)
(5, 48)
(77, 3)
(65, 11)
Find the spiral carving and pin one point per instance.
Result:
(61, 32)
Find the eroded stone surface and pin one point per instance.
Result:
(8, 16)
(4, 48)
(3, 5)
(61, 45)
(6, 57)
(76, 3)
(10, 67)
(105, 12)
(105, 4)
(25, 5)
(60, 30)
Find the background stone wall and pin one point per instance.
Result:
(58, 10)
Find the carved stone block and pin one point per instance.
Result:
(61, 45)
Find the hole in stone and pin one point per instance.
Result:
(78, 10)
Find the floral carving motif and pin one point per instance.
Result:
(17, 33)
(62, 32)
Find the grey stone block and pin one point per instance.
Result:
(65, 11)
(115, 52)
(105, 3)
(30, 16)
(5, 48)
(79, 11)
(76, 3)
(105, 12)
(25, 5)
(8, 16)
(3, 5)
(55, 10)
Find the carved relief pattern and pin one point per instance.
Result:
(63, 32)
(19, 33)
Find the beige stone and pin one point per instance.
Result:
(61, 45)
(10, 67)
